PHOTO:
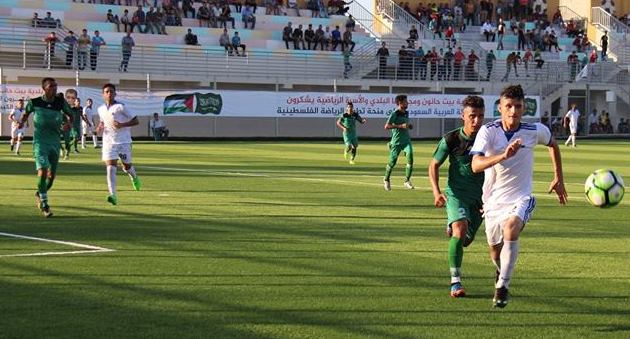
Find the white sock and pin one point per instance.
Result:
(17, 146)
(509, 254)
(573, 140)
(95, 140)
(131, 171)
(111, 179)
(566, 143)
(83, 141)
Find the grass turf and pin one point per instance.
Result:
(286, 240)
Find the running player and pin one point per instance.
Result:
(47, 121)
(399, 125)
(463, 189)
(17, 133)
(505, 149)
(347, 123)
(77, 112)
(88, 124)
(571, 119)
(115, 124)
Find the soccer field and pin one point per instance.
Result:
(286, 240)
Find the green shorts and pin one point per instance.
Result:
(457, 209)
(350, 139)
(394, 152)
(46, 156)
(75, 132)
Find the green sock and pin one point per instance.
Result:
(455, 256)
(353, 153)
(388, 172)
(408, 171)
(49, 184)
(41, 189)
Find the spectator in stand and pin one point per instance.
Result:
(71, 42)
(127, 45)
(470, 67)
(343, 7)
(187, 7)
(270, 6)
(97, 42)
(501, 33)
(336, 38)
(226, 42)
(413, 34)
(557, 18)
(319, 37)
(573, 62)
(278, 7)
(457, 64)
(125, 21)
(138, 20)
(538, 59)
(298, 36)
(287, 34)
(577, 43)
(158, 128)
(312, 6)
(527, 58)
(350, 23)
(553, 41)
(111, 18)
(309, 36)
(423, 62)
(382, 54)
(448, 63)
(327, 38)
(203, 15)
(323, 9)
(449, 36)
(191, 39)
(433, 59)
(293, 4)
(35, 20)
(586, 45)
(252, 4)
(49, 21)
(441, 65)
(151, 21)
(469, 12)
(520, 32)
(49, 53)
(165, 18)
(226, 15)
(347, 40)
(490, 60)
(509, 61)
(434, 27)
(236, 43)
(488, 31)
(84, 42)
(604, 44)
(247, 15)
(238, 5)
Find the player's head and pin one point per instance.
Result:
(401, 101)
(71, 96)
(89, 102)
(349, 107)
(20, 103)
(573, 106)
(473, 109)
(512, 106)
(109, 93)
(49, 85)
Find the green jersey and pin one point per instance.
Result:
(400, 136)
(462, 182)
(76, 116)
(47, 118)
(349, 121)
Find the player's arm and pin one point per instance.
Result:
(390, 125)
(341, 127)
(360, 119)
(100, 127)
(439, 199)
(12, 117)
(67, 111)
(557, 184)
(481, 162)
(133, 122)
(28, 109)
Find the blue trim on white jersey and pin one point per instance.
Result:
(477, 153)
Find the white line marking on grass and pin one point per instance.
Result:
(86, 248)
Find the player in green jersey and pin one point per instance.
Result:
(77, 114)
(347, 123)
(399, 125)
(48, 111)
(462, 196)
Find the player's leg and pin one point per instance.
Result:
(409, 167)
(394, 151)
(353, 149)
(18, 143)
(124, 153)
(74, 134)
(66, 141)
(42, 165)
(95, 140)
(110, 158)
(346, 145)
(456, 256)
(53, 159)
(85, 130)
(13, 137)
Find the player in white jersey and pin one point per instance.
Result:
(88, 123)
(115, 124)
(17, 132)
(505, 150)
(572, 116)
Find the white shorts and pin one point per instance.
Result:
(117, 151)
(495, 218)
(86, 129)
(573, 128)
(17, 132)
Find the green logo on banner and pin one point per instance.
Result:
(208, 103)
(531, 106)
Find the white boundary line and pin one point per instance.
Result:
(86, 248)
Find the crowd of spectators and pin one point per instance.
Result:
(309, 38)
(47, 22)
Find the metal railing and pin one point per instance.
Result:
(401, 19)
(618, 34)
(568, 14)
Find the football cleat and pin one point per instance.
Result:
(500, 299)
(387, 185)
(345, 154)
(457, 290)
(136, 183)
(46, 212)
(97, 146)
(352, 162)
(112, 199)
(408, 185)
(76, 151)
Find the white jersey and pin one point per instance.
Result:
(115, 112)
(510, 180)
(573, 116)
(88, 112)
(17, 115)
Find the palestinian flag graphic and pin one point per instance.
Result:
(200, 103)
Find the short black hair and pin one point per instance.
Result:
(109, 85)
(72, 91)
(349, 103)
(473, 101)
(513, 92)
(400, 98)
(47, 79)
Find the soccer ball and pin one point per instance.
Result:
(604, 188)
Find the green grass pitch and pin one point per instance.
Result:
(286, 240)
